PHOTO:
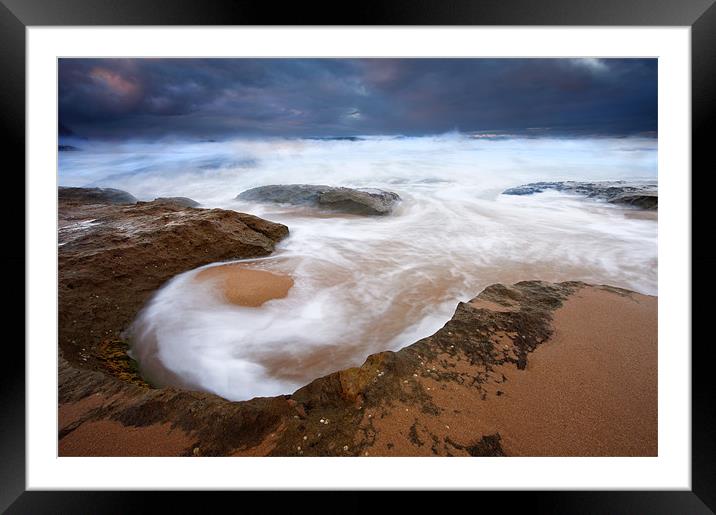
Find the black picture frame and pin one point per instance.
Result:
(17, 15)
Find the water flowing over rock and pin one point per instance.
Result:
(349, 200)
(642, 195)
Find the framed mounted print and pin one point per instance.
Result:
(435, 249)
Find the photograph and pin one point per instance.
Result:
(357, 256)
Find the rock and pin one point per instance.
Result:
(179, 201)
(642, 201)
(112, 258)
(285, 194)
(214, 426)
(338, 138)
(642, 195)
(349, 200)
(368, 201)
(96, 195)
(489, 445)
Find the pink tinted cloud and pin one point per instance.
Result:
(115, 83)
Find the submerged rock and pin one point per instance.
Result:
(96, 195)
(642, 195)
(348, 200)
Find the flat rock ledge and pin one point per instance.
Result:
(641, 195)
(349, 200)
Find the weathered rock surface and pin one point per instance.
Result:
(96, 195)
(179, 201)
(642, 195)
(349, 200)
(112, 257)
(209, 425)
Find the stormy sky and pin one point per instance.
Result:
(221, 98)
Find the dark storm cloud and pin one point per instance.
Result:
(124, 98)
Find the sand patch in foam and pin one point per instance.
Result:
(245, 286)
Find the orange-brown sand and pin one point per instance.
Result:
(590, 390)
(111, 438)
(246, 286)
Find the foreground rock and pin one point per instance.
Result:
(638, 195)
(440, 396)
(349, 200)
(113, 257)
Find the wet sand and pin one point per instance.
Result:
(590, 390)
(111, 438)
(247, 287)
